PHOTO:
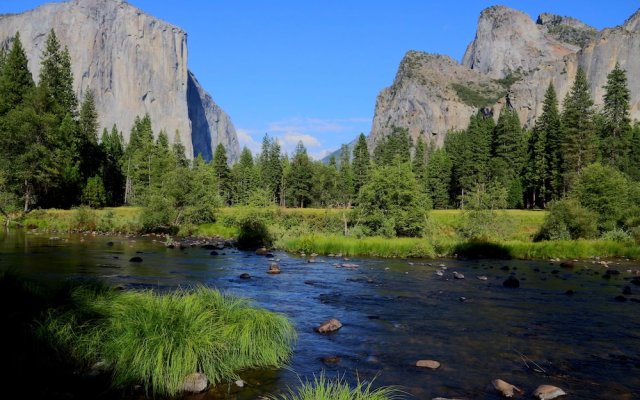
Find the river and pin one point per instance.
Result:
(394, 313)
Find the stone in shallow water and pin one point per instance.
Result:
(431, 364)
(135, 259)
(329, 326)
(505, 388)
(195, 383)
(511, 282)
(548, 392)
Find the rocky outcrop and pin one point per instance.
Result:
(210, 124)
(134, 63)
(432, 94)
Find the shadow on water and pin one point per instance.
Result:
(564, 326)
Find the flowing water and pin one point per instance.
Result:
(394, 313)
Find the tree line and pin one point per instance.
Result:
(52, 156)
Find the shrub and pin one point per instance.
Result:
(605, 191)
(94, 194)
(159, 213)
(567, 219)
(254, 233)
(84, 219)
(618, 235)
(391, 202)
(323, 388)
(157, 340)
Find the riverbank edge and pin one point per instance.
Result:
(380, 247)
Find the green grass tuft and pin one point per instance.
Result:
(158, 339)
(323, 388)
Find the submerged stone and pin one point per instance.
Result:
(511, 282)
(135, 259)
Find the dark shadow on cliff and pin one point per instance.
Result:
(200, 130)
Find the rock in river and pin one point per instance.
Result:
(195, 383)
(135, 259)
(511, 282)
(458, 275)
(431, 364)
(329, 326)
(274, 268)
(245, 275)
(548, 392)
(506, 389)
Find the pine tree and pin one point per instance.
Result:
(90, 156)
(544, 154)
(223, 173)
(245, 178)
(56, 76)
(394, 149)
(508, 155)
(271, 169)
(438, 178)
(300, 180)
(616, 135)
(112, 147)
(419, 162)
(507, 146)
(179, 151)
(361, 163)
(346, 180)
(580, 140)
(634, 156)
(138, 158)
(16, 81)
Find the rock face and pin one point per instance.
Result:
(511, 53)
(134, 63)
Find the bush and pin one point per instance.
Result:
(94, 194)
(567, 219)
(605, 191)
(618, 235)
(84, 219)
(391, 202)
(157, 340)
(159, 214)
(254, 233)
(332, 389)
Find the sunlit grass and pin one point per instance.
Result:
(367, 246)
(158, 339)
(323, 388)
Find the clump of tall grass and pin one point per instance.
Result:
(158, 339)
(323, 388)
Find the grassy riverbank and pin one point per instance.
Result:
(142, 337)
(508, 234)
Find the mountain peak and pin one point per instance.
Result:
(633, 22)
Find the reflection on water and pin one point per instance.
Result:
(394, 313)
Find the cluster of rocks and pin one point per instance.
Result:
(542, 392)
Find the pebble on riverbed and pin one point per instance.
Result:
(431, 364)
(195, 383)
(458, 275)
(548, 392)
(506, 389)
(329, 326)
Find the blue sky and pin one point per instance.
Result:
(311, 70)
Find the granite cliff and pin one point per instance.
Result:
(134, 63)
(511, 53)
